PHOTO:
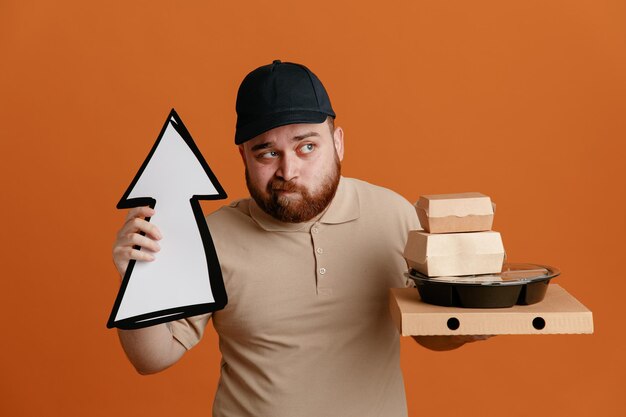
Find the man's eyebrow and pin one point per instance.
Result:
(264, 145)
(304, 136)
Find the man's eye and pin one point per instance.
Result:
(268, 155)
(308, 148)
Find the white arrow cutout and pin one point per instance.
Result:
(178, 280)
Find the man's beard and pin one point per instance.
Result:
(289, 210)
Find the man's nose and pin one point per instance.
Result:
(288, 168)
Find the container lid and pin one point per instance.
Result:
(511, 274)
(457, 205)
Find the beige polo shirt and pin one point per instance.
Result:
(307, 331)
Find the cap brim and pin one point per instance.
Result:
(271, 121)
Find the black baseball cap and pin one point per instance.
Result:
(279, 94)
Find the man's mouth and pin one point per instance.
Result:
(285, 187)
(282, 191)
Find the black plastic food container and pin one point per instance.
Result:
(517, 284)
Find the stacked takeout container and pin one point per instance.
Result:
(457, 239)
(457, 262)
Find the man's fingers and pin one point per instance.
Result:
(135, 239)
(144, 211)
(476, 338)
(136, 232)
(135, 222)
(123, 254)
(136, 225)
(141, 255)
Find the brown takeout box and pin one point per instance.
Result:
(453, 254)
(558, 313)
(451, 213)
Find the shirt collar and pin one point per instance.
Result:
(343, 208)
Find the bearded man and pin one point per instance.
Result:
(307, 264)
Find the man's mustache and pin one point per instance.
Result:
(281, 185)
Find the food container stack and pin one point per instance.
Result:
(458, 261)
(457, 239)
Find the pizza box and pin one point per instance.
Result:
(558, 313)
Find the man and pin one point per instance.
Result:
(307, 265)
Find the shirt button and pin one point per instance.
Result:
(322, 271)
(315, 230)
(320, 250)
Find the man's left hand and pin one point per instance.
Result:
(440, 343)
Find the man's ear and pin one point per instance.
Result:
(242, 152)
(338, 141)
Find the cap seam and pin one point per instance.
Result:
(308, 73)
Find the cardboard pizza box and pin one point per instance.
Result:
(558, 313)
(452, 213)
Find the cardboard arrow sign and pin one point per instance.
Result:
(185, 278)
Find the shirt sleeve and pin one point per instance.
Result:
(413, 223)
(189, 331)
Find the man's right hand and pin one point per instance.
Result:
(130, 236)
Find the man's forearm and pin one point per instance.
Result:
(151, 349)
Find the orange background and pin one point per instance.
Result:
(522, 100)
